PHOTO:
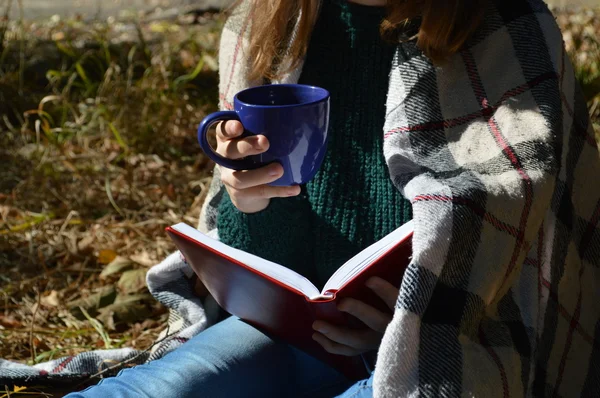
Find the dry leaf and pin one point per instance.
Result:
(50, 300)
(132, 281)
(144, 259)
(9, 322)
(85, 243)
(170, 191)
(126, 309)
(106, 256)
(118, 265)
(104, 297)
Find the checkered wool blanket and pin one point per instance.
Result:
(496, 152)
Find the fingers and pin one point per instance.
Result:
(249, 191)
(336, 348)
(350, 342)
(385, 290)
(229, 144)
(244, 179)
(359, 340)
(264, 192)
(370, 316)
(229, 130)
(251, 183)
(240, 148)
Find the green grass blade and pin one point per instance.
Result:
(118, 136)
(96, 324)
(189, 77)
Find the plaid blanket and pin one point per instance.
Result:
(496, 152)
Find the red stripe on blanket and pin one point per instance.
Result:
(227, 104)
(588, 138)
(500, 225)
(525, 87)
(575, 319)
(238, 45)
(497, 361)
(501, 141)
(563, 311)
(562, 80)
(449, 123)
(577, 128)
(572, 326)
(62, 365)
(563, 55)
(554, 296)
(563, 98)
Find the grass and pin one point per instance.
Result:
(99, 155)
(580, 32)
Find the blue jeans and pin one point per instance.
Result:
(230, 359)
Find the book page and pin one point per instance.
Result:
(274, 270)
(367, 257)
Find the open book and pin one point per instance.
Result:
(282, 302)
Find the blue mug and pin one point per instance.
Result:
(293, 117)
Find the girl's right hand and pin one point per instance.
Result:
(248, 189)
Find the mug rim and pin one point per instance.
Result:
(325, 96)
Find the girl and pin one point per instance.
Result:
(462, 114)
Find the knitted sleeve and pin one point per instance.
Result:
(280, 233)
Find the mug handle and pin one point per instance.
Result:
(234, 164)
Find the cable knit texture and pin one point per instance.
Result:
(339, 212)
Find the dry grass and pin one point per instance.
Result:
(99, 155)
(580, 32)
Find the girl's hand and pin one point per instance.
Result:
(247, 188)
(351, 342)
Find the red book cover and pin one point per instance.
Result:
(283, 311)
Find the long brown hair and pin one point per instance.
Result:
(445, 26)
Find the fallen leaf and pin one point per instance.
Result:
(58, 36)
(85, 243)
(144, 259)
(132, 281)
(40, 344)
(106, 256)
(126, 309)
(118, 265)
(50, 300)
(92, 303)
(171, 192)
(29, 150)
(9, 322)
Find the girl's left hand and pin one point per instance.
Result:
(352, 342)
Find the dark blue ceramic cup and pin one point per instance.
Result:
(293, 117)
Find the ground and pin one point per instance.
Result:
(99, 154)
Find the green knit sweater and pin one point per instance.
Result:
(351, 202)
